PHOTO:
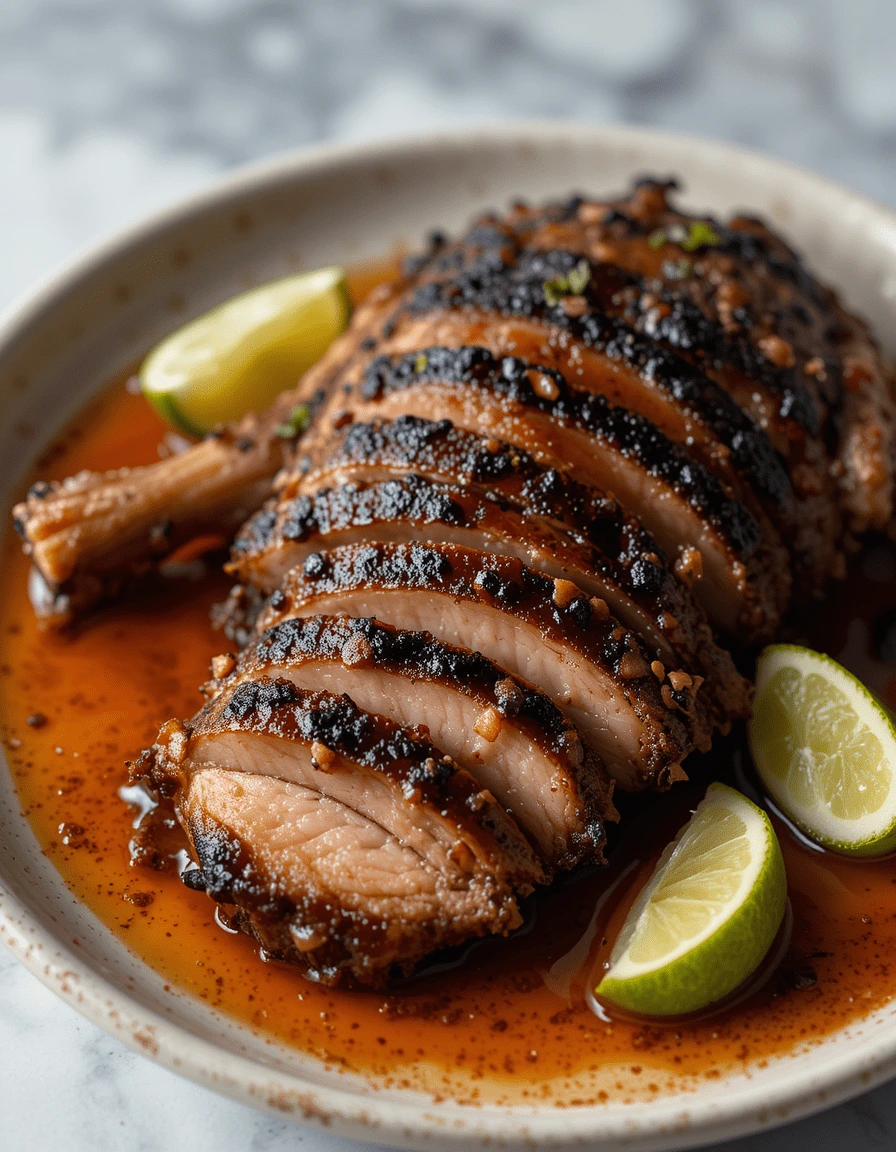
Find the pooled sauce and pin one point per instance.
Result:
(508, 1020)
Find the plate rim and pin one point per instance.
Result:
(367, 1117)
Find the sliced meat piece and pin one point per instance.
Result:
(634, 582)
(411, 508)
(403, 508)
(744, 583)
(525, 273)
(507, 735)
(269, 726)
(733, 299)
(597, 353)
(638, 584)
(546, 632)
(322, 887)
(392, 778)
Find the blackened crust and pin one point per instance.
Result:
(629, 433)
(513, 589)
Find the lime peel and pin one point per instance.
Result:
(240, 356)
(825, 750)
(708, 915)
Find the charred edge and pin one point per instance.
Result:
(438, 446)
(332, 509)
(689, 328)
(617, 546)
(512, 284)
(412, 441)
(508, 584)
(419, 655)
(228, 873)
(349, 943)
(631, 434)
(277, 706)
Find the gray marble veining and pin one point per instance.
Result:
(111, 108)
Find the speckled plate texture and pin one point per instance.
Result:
(344, 205)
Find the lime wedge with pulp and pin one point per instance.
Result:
(706, 917)
(826, 750)
(240, 356)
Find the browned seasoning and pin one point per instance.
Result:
(508, 1023)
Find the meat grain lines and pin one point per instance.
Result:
(553, 472)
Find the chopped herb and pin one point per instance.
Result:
(299, 420)
(701, 235)
(572, 284)
(421, 362)
(578, 278)
(554, 290)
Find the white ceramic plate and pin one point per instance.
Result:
(342, 205)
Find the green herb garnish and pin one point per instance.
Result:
(578, 278)
(700, 235)
(298, 421)
(572, 284)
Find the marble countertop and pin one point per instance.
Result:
(112, 108)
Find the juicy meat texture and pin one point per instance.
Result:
(594, 354)
(504, 732)
(745, 579)
(406, 509)
(451, 486)
(547, 467)
(731, 297)
(322, 887)
(543, 631)
(266, 769)
(597, 354)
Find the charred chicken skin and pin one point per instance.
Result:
(554, 473)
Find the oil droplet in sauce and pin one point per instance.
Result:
(507, 1021)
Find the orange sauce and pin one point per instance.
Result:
(510, 1021)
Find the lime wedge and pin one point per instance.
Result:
(706, 917)
(826, 751)
(240, 356)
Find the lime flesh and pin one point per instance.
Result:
(825, 749)
(240, 356)
(707, 916)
